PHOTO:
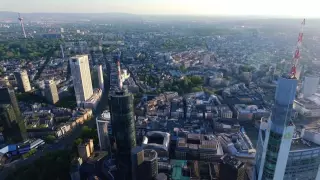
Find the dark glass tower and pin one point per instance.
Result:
(7, 96)
(123, 126)
(11, 122)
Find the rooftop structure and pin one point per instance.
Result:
(238, 144)
(231, 168)
(93, 101)
(250, 112)
(198, 147)
(158, 141)
(309, 106)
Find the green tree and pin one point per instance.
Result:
(50, 139)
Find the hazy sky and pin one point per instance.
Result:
(294, 8)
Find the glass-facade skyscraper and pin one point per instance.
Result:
(274, 143)
(123, 127)
(11, 122)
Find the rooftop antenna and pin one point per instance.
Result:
(119, 72)
(22, 26)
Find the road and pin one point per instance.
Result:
(63, 143)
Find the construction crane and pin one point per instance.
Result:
(296, 55)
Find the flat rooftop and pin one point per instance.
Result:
(299, 144)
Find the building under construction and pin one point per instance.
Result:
(123, 128)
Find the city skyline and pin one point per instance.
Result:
(177, 7)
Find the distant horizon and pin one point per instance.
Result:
(195, 15)
(261, 8)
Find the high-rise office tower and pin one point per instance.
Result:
(11, 121)
(272, 153)
(231, 168)
(310, 85)
(144, 164)
(51, 92)
(100, 76)
(10, 125)
(102, 128)
(23, 80)
(8, 97)
(123, 127)
(81, 78)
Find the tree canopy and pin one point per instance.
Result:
(52, 166)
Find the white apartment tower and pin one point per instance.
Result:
(22, 79)
(81, 77)
(51, 92)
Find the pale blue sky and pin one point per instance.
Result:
(293, 8)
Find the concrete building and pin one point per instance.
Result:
(100, 77)
(81, 77)
(22, 80)
(198, 147)
(144, 164)
(231, 168)
(308, 107)
(224, 111)
(238, 144)
(249, 112)
(310, 85)
(274, 143)
(102, 128)
(94, 100)
(51, 92)
(85, 149)
(158, 141)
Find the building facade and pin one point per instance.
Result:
(102, 128)
(231, 168)
(11, 127)
(144, 164)
(11, 120)
(123, 129)
(81, 78)
(22, 80)
(310, 86)
(51, 92)
(275, 142)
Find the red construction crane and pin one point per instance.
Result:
(296, 55)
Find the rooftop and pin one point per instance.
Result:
(301, 144)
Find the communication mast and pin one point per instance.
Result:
(22, 26)
(119, 72)
(296, 55)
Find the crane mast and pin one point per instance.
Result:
(296, 55)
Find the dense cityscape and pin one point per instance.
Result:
(134, 97)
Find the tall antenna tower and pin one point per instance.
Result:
(119, 72)
(296, 55)
(22, 26)
(62, 52)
